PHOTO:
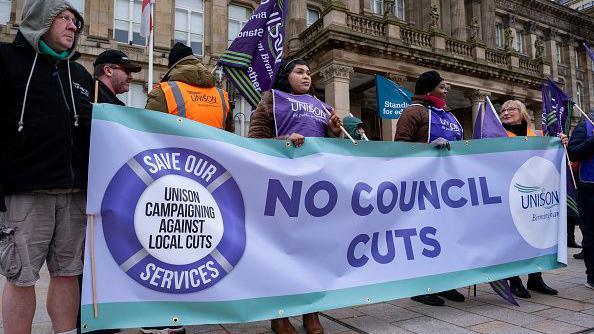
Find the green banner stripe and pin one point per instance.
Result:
(238, 55)
(236, 60)
(245, 85)
(132, 315)
(161, 123)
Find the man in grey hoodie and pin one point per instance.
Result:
(44, 142)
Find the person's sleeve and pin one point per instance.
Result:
(156, 100)
(406, 127)
(262, 120)
(581, 147)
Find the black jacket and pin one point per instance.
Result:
(581, 147)
(106, 96)
(50, 151)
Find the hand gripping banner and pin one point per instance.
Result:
(192, 225)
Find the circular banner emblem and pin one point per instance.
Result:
(174, 220)
(534, 202)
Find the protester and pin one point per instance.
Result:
(275, 119)
(354, 127)
(515, 119)
(581, 149)
(188, 90)
(113, 72)
(44, 142)
(423, 122)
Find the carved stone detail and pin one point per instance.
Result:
(539, 46)
(474, 30)
(434, 14)
(336, 71)
(508, 37)
(477, 95)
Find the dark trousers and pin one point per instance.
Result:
(586, 221)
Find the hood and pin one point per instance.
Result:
(38, 16)
(189, 70)
(351, 124)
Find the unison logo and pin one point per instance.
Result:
(534, 202)
(536, 197)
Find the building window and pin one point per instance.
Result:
(312, 16)
(519, 41)
(241, 115)
(127, 15)
(135, 97)
(79, 5)
(579, 92)
(578, 63)
(238, 17)
(5, 6)
(399, 9)
(559, 54)
(499, 36)
(189, 24)
(377, 6)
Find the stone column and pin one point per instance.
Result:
(476, 15)
(215, 27)
(569, 50)
(550, 53)
(588, 86)
(531, 37)
(296, 23)
(100, 18)
(446, 17)
(337, 79)
(476, 97)
(163, 24)
(488, 22)
(458, 13)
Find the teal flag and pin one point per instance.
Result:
(392, 99)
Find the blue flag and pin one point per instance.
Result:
(252, 60)
(487, 124)
(392, 99)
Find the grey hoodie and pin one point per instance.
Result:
(38, 16)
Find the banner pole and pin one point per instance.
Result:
(151, 55)
(569, 165)
(96, 91)
(93, 276)
(341, 127)
(583, 113)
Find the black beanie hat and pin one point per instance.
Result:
(178, 52)
(427, 82)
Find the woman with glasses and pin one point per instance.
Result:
(515, 120)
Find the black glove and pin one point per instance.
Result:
(441, 143)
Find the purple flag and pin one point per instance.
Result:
(252, 60)
(589, 51)
(487, 123)
(556, 110)
(503, 289)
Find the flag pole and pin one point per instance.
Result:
(151, 57)
(569, 165)
(583, 113)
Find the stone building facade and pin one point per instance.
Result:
(498, 48)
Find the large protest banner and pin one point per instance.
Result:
(195, 225)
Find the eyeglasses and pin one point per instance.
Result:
(509, 109)
(116, 67)
(68, 19)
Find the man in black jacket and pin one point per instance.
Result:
(581, 149)
(44, 145)
(113, 70)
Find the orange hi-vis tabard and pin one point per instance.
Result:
(529, 133)
(208, 106)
